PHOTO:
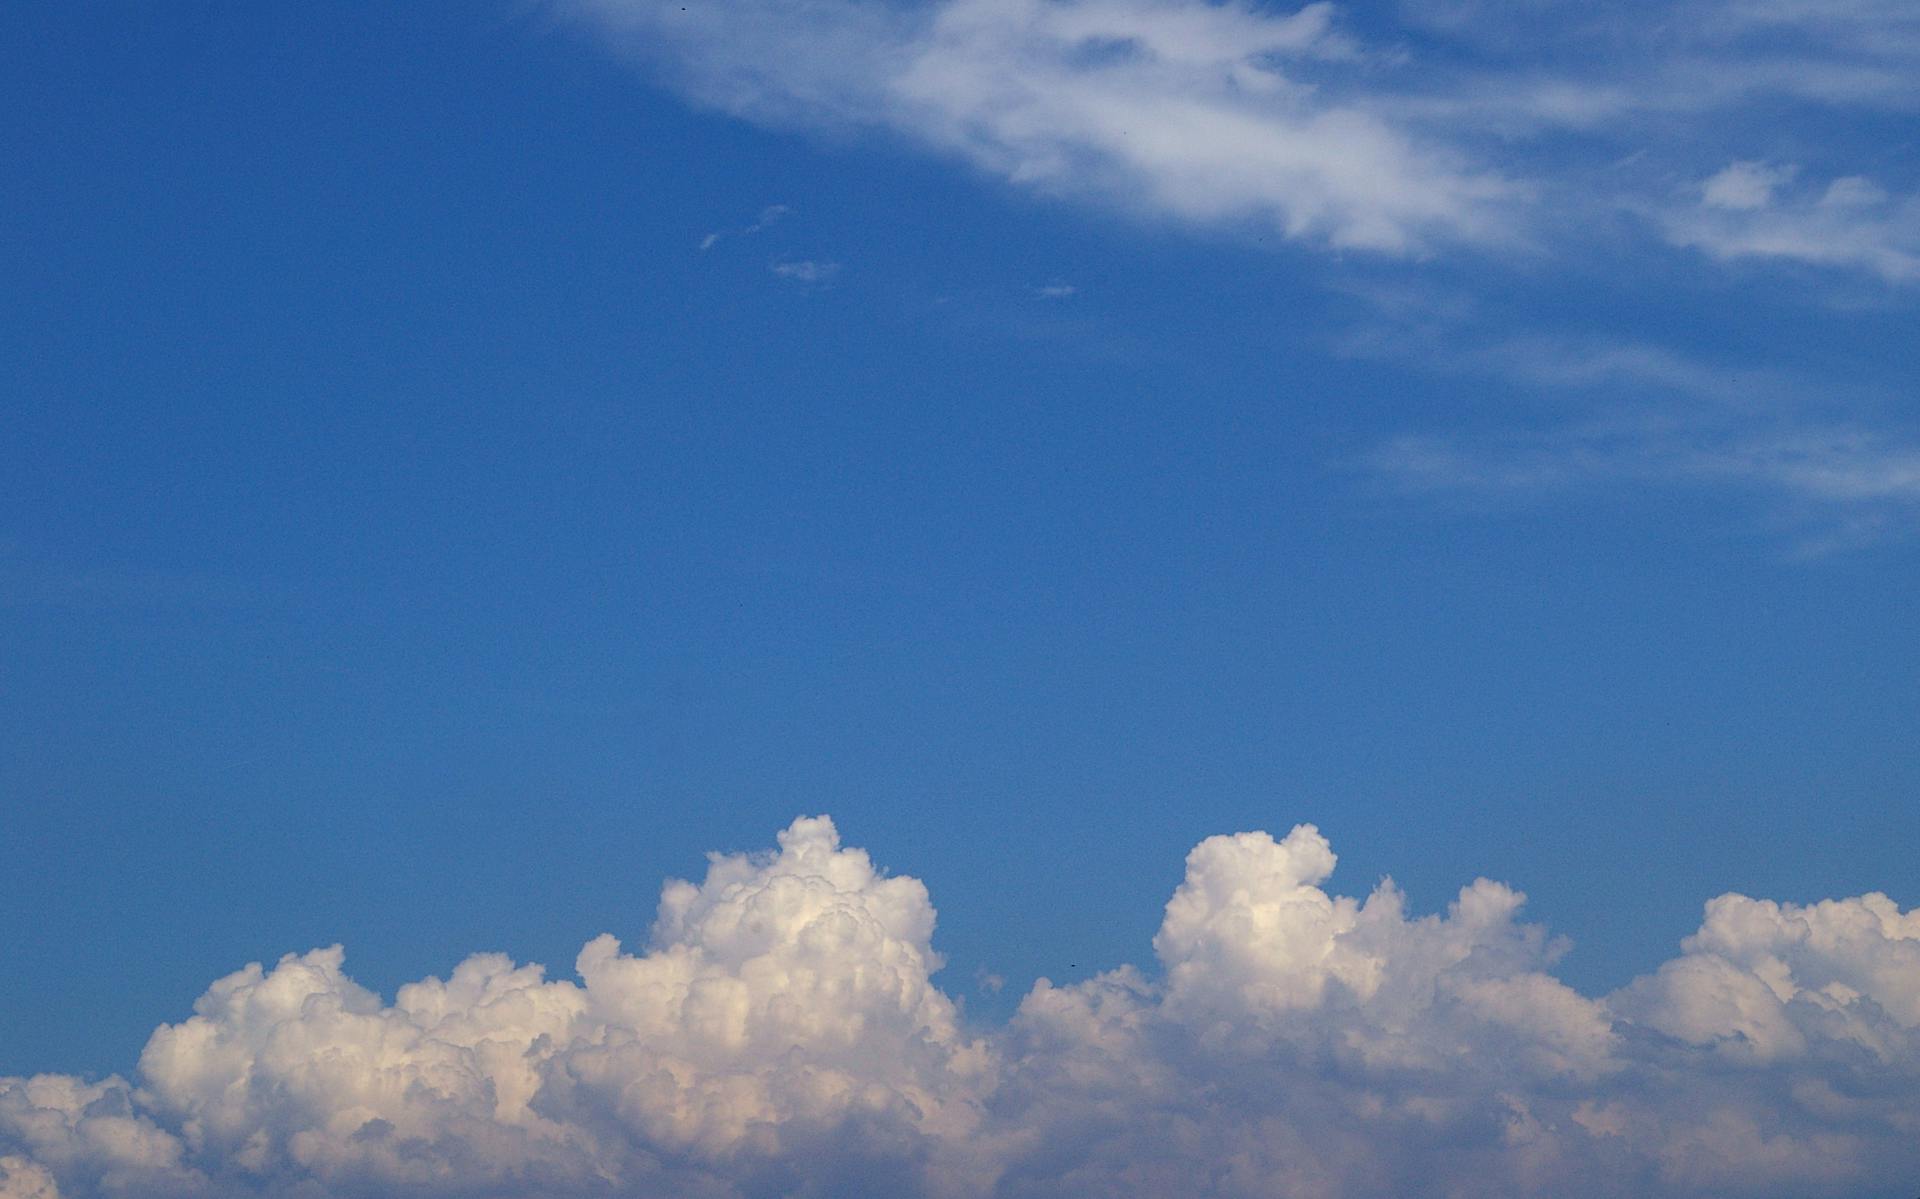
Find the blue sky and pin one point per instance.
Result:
(461, 463)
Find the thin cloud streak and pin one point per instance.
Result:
(1844, 486)
(1851, 221)
(1230, 114)
(805, 270)
(1198, 112)
(1475, 127)
(1833, 459)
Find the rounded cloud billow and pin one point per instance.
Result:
(782, 1035)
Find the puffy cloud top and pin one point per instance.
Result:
(1251, 942)
(781, 1034)
(1763, 980)
(22, 1179)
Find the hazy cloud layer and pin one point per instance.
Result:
(1835, 462)
(781, 1035)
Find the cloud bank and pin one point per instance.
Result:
(781, 1034)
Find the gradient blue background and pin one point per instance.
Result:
(409, 538)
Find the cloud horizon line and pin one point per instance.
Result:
(781, 1034)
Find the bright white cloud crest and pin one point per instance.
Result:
(782, 1035)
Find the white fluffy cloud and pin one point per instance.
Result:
(1763, 981)
(90, 1136)
(1302, 1043)
(1254, 949)
(781, 1035)
(22, 1179)
(784, 1001)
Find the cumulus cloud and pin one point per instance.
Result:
(784, 1002)
(89, 1136)
(1302, 1043)
(781, 1035)
(1251, 943)
(22, 1179)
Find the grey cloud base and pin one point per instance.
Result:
(781, 1035)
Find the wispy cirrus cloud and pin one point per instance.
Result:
(1837, 461)
(1753, 210)
(1468, 127)
(769, 216)
(1864, 478)
(1451, 129)
(804, 270)
(1672, 56)
(1199, 112)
